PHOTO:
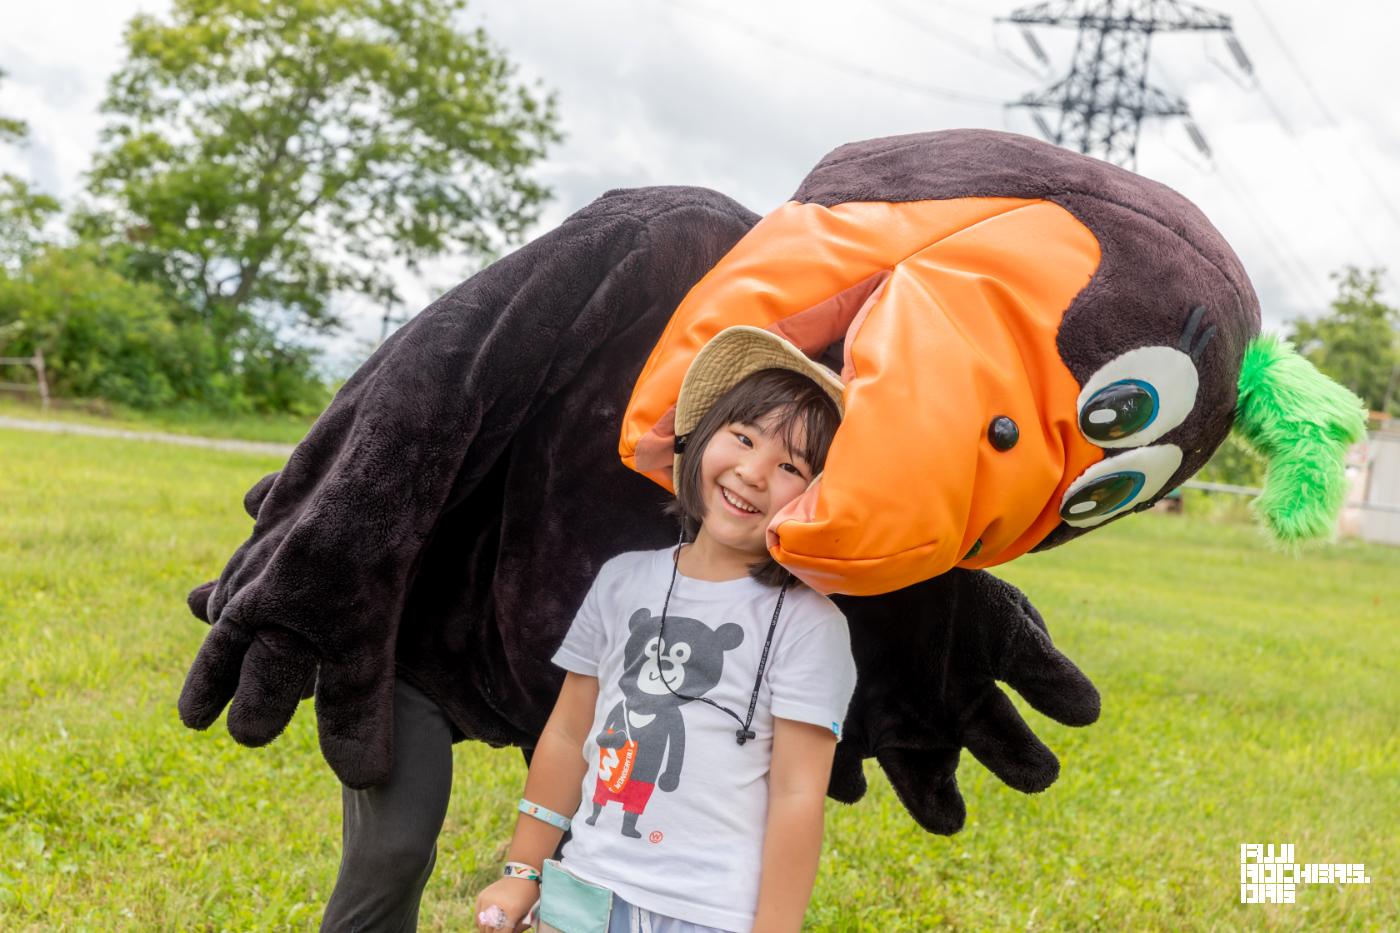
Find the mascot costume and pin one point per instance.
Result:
(1033, 343)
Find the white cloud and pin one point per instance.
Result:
(744, 98)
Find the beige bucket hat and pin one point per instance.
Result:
(730, 356)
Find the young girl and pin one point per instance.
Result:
(691, 744)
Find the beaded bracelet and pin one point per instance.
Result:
(545, 814)
(521, 870)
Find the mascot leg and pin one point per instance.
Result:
(390, 830)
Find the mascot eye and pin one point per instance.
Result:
(1136, 398)
(1103, 496)
(1118, 410)
(652, 648)
(1112, 485)
(680, 652)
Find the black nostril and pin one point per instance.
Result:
(1003, 433)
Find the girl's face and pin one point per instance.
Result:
(748, 474)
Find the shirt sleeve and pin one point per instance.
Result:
(582, 648)
(814, 677)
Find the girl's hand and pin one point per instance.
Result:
(514, 896)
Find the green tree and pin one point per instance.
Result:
(262, 155)
(1234, 462)
(104, 336)
(1357, 342)
(23, 211)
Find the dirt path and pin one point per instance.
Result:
(216, 443)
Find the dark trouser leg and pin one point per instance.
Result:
(390, 831)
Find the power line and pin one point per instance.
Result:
(1105, 97)
(1276, 243)
(957, 44)
(1283, 250)
(1327, 112)
(1321, 177)
(782, 43)
(960, 8)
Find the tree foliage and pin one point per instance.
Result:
(1357, 342)
(102, 335)
(1234, 462)
(105, 336)
(263, 154)
(11, 130)
(23, 211)
(23, 214)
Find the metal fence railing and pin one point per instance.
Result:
(1252, 491)
(37, 363)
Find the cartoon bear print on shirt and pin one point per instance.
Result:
(647, 726)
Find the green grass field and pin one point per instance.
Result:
(1248, 697)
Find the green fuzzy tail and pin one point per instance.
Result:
(1302, 423)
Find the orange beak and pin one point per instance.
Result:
(949, 311)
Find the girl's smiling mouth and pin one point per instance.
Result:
(736, 504)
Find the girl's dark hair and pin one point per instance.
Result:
(792, 399)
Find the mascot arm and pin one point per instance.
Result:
(927, 688)
(318, 588)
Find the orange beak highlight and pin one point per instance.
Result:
(949, 311)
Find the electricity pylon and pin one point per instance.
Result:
(1105, 96)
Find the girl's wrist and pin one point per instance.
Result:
(534, 847)
(523, 871)
(533, 841)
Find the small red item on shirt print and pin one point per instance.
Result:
(615, 765)
(655, 836)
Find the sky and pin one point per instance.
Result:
(746, 98)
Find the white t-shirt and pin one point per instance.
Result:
(683, 834)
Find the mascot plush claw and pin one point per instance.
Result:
(1033, 342)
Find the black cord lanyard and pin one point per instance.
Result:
(744, 733)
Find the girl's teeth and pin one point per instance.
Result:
(730, 499)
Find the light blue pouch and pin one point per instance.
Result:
(571, 905)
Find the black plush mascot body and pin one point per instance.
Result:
(444, 517)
